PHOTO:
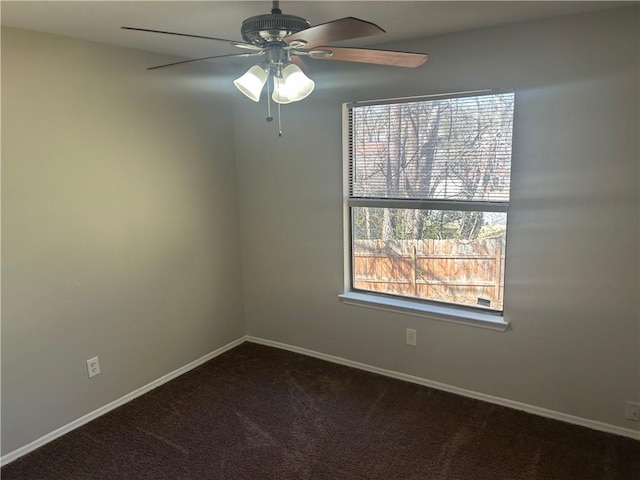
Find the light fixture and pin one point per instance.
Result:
(286, 82)
(252, 82)
(293, 86)
(290, 85)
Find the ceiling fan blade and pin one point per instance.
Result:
(232, 42)
(364, 55)
(335, 31)
(256, 54)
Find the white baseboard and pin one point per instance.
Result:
(543, 412)
(605, 427)
(11, 456)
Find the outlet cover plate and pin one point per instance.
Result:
(93, 367)
(632, 412)
(412, 337)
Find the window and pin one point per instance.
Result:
(426, 198)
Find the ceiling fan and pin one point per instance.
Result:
(281, 40)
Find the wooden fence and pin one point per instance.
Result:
(469, 273)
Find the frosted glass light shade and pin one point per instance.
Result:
(293, 86)
(279, 91)
(252, 82)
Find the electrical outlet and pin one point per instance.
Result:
(632, 412)
(412, 337)
(93, 367)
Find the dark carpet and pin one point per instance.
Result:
(257, 413)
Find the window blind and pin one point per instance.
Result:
(443, 149)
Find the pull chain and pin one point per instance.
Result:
(277, 79)
(269, 117)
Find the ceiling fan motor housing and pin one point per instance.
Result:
(271, 27)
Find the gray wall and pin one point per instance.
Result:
(573, 244)
(120, 226)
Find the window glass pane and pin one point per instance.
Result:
(439, 255)
(445, 149)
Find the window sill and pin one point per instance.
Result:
(407, 307)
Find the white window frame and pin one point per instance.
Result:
(398, 304)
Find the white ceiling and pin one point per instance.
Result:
(100, 21)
